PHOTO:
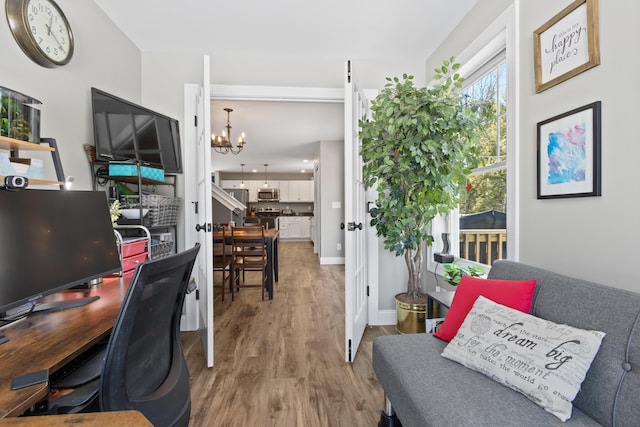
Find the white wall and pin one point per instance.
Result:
(103, 58)
(331, 191)
(582, 237)
(586, 237)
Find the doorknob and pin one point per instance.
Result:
(206, 227)
(352, 226)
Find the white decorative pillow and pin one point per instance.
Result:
(544, 361)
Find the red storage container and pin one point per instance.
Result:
(131, 262)
(134, 248)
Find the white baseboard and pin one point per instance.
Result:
(386, 317)
(329, 260)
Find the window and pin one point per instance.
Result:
(485, 225)
(482, 212)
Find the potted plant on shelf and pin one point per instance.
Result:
(418, 148)
(454, 272)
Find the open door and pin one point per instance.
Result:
(198, 224)
(356, 298)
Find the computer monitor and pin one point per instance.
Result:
(51, 240)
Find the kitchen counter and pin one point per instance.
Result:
(297, 214)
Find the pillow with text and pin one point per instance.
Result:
(543, 360)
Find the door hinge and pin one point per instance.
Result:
(367, 290)
(349, 71)
(195, 121)
(349, 350)
(197, 294)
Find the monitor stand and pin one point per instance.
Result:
(63, 305)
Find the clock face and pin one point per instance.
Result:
(49, 29)
(41, 30)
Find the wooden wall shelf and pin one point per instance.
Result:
(16, 144)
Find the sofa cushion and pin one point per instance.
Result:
(544, 361)
(427, 390)
(516, 294)
(610, 392)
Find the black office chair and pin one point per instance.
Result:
(144, 367)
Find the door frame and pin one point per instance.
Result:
(311, 94)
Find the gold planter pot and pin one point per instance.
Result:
(410, 316)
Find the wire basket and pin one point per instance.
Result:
(161, 250)
(163, 210)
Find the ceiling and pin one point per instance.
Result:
(282, 134)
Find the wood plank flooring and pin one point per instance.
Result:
(281, 362)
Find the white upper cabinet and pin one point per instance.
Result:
(296, 191)
(290, 191)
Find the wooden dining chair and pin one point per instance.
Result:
(223, 260)
(249, 254)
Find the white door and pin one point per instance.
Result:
(198, 207)
(356, 298)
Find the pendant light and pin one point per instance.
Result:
(265, 175)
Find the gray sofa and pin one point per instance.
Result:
(426, 389)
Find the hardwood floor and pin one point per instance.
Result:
(281, 362)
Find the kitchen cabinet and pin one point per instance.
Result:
(252, 185)
(253, 190)
(305, 227)
(232, 184)
(296, 191)
(295, 227)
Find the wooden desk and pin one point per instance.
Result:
(51, 340)
(271, 238)
(94, 419)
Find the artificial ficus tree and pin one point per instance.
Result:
(418, 147)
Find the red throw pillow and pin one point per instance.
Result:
(516, 294)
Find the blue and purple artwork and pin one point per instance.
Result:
(567, 155)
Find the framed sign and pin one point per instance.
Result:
(569, 154)
(567, 44)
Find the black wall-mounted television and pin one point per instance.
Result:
(126, 131)
(51, 240)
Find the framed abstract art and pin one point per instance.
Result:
(569, 154)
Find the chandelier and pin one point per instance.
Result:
(222, 143)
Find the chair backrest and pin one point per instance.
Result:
(144, 368)
(221, 246)
(248, 241)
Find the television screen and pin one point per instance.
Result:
(52, 240)
(126, 131)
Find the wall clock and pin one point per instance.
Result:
(41, 30)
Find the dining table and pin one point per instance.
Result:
(271, 241)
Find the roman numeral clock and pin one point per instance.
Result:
(41, 30)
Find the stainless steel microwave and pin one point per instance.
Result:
(268, 195)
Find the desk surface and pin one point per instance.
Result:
(95, 419)
(51, 340)
(444, 298)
